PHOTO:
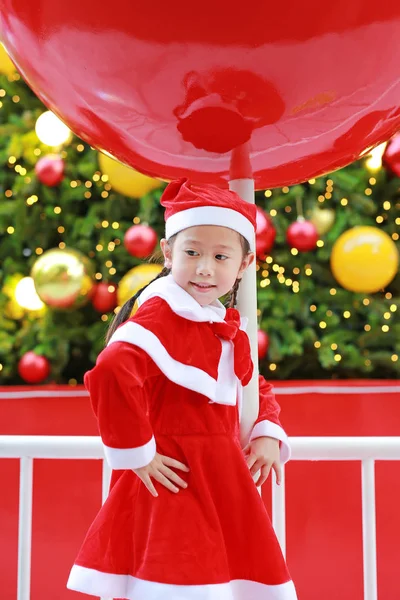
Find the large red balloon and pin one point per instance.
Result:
(171, 89)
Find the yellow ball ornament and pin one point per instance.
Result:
(63, 278)
(125, 180)
(364, 259)
(134, 280)
(6, 65)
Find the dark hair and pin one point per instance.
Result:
(125, 312)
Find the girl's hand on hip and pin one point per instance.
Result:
(160, 470)
(262, 453)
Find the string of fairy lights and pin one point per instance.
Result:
(52, 132)
(270, 267)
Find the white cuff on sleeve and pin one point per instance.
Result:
(130, 458)
(270, 429)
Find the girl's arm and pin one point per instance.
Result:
(116, 387)
(268, 424)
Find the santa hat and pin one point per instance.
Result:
(187, 205)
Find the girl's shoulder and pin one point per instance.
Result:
(156, 322)
(158, 316)
(121, 361)
(155, 311)
(156, 328)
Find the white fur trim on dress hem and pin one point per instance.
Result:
(96, 583)
(130, 458)
(270, 429)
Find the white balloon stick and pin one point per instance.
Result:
(242, 182)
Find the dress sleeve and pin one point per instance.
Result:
(119, 400)
(268, 423)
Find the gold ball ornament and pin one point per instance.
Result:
(63, 278)
(125, 180)
(323, 219)
(134, 280)
(6, 65)
(364, 259)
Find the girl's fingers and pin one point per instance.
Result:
(258, 465)
(173, 476)
(251, 460)
(149, 484)
(278, 472)
(171, 462)
(246, 449)
(165, 482)
(265, 470)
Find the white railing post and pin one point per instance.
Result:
(279, 510)
(105, 481)
(25, 528)
(369, 529)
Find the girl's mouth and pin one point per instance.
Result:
(202, 287)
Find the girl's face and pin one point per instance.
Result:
(206, 260)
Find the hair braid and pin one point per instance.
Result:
(125, 312)
(233, 294)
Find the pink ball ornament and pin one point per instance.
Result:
(104, 297)
(302, 235)
(140, 240)
(50, 169)
(391, 157)
(263, 344)
(34, 368)
(265, 233)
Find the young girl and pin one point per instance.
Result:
(184, 519)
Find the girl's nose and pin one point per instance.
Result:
(204, 267)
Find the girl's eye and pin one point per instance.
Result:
(191, 252)
(221, 256)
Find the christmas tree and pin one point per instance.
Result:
(59, 196)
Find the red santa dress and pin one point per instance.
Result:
(172, 377)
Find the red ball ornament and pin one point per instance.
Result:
(391, 157)
(265, 233)
(50, 169)
(263, 344)
(302, 235)
(140, 240)
(104, 297)
(224, 91)
(34, 368)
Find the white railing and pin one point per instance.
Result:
(364, 449)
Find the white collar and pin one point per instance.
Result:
(181, 302)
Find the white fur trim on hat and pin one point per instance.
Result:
(211, 215)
